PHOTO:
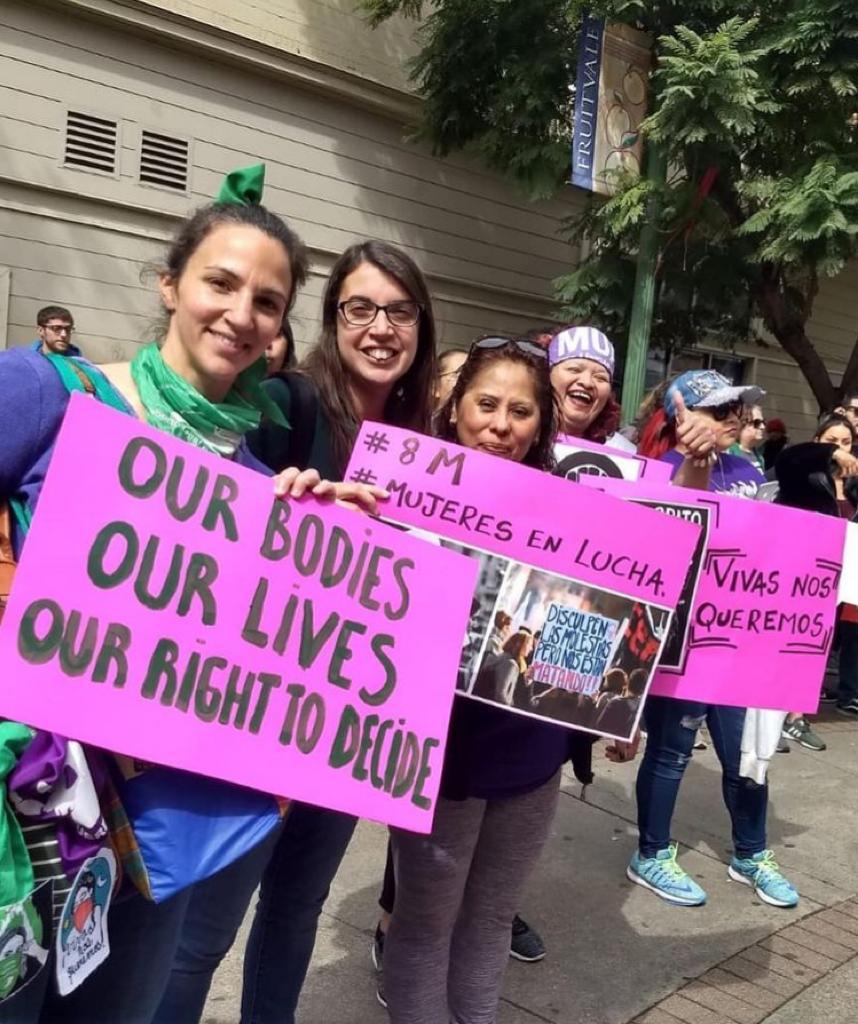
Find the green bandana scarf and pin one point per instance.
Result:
(172, 405)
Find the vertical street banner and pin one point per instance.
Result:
(756, 620)
(575, 590)
(169, 608)
(610, 103)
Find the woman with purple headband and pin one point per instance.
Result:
(582, 366)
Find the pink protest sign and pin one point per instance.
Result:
(574, 596)
(167, 607)
(761, 600)
(578, 458)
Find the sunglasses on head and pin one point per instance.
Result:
(529, 348)
(724, 412)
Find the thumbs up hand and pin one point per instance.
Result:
(695, 437)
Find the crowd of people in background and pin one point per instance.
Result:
(225, 376)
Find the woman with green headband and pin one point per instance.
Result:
(229, 280)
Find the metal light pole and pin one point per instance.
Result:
(643, 300)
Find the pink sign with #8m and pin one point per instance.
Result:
(504, 507)
(169, 608)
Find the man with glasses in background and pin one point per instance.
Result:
(55, 330)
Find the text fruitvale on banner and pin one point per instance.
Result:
(761, 623)
(191, 619)
(575, 591)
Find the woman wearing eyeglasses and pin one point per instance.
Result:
(375, 360)
(700, 419)
(458, 887)
(750, 438)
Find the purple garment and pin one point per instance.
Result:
(730, 474)
(42, 772)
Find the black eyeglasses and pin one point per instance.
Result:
(724, 412)
(529, 348)
(756, 423)
(362, 312)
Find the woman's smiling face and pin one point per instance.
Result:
(380, 354)
(226, 308)
(582, 387)
(499, 413)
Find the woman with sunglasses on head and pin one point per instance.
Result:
(375, 360)
(458, 887)
(700, 418)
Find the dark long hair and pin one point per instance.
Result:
(832, 419)
(541, 454)
(410, 401)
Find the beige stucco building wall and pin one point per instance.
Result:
(338, 166)
(306, 87)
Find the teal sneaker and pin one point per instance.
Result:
(662, 875)
(764, 876)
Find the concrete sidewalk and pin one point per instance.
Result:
(617, 953)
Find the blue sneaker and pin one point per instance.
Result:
(663, 876)
(764, 876)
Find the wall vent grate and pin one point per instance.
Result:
(164, 161)
(91, 142)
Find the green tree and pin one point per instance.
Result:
(756, 107)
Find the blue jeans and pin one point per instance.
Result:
(295, 886)
(128, 986)
(296, 865)
(671, 727)
(214, 910)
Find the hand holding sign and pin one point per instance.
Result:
(693, 433)
(294, 483)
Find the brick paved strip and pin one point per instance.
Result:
(816, 924)
(849, 907)
(656, 1016)
(798, 934)
(785, 966)
(834, 915)
(689, 1012)
(761, 976)
(756, 995)
(799, 954)
(723, 1003)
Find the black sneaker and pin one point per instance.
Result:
(827, 697)
(526, 944)
(377, 951)
(849, 708)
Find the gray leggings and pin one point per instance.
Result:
(457, 890)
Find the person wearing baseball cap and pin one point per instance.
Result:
(700, 418)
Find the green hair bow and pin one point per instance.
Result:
(243, 186)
